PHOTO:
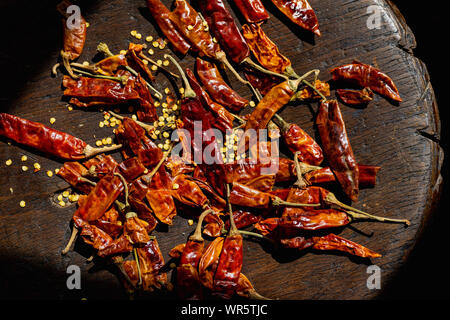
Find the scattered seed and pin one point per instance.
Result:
(138, 36)
(60, 197)
(190, 27)
(101, 124)
(149, 38)
(8, 162)
(98, 143)
(22, 204)
(24, 158)
(70, 108)
(133, 33)
(123, 52)
(252, 104)
(52, 120)
(62, 203)
(24, 168)
(190, 222)
(50, 173)
(175, 186)
(66, 194)
(134, 117)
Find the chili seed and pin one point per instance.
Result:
(8, 162)
(24, 158)
(52, 120)
(22, 204)
(190, 222)
(24, 168)
(50, 173)
(133, 33)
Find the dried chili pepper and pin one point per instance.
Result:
(74, 37)
(47, 140)
(136, 62)
(223, 119)
(262, 82)
(330, 242)
(151, 261)
(300, 143)
(337, 148)
(299, 12)
(100, 165)
(217, 88)
(72, 172)
(208, 262)
(367, 76)
(252, 10)
(367, 176)
(246, 289)
(160, 13)
(243, 219)
(355, 97)
(189, 193)
(266, 51)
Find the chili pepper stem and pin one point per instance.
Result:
(66, 63)
(123, 80)
(197, 236)
(118, 261)
(125, 185)
(148, 178)
(90, 151)
(222, 58)
(284, 126)
(252, 294)
(103, 48)
(301, 182)
(73, 236)
(138, 266)
(188, 91)
(279, 202)
(289, 71)
(331, 199)
(55, 69)
(253, 64)
(233, 229)
(147, 127)
(295, 83)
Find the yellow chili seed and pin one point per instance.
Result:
(166, 63)
(133, 33)
(24, 168)
(155, 44)
(70, 108)
(98, 143)
(138, 36)
(151, 52)
(101, 124)
(108, 140)
(149, 38)
(52, 120)
(22, 204)
(190, 222)
(175, 186)
(24, 158)
(50, 173)
(134, 117)
(190, 27)
(154, 68)
(62, 203)
(252, 104)
(60, 197)
(65, 194)
(123, 52)
(8, 162)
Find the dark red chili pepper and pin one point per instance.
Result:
(45, 139)
(222, 119)
(72, 172)
(337, 148)
(355, 97)
(243, 219)
(100, 165)
(217, 88)
(252, 10)
(330, 242)
(224, 29)
(188, 192)
(367, 76)
(135, 62)
(151, 261)
(263, 82)
(367, 176)
(208, 262)
(299, 12)
(160, 13)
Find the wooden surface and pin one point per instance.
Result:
(399, 138)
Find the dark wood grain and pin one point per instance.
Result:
(399, 138)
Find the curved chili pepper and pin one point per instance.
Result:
(367, 176)
(72, 172)
(100, 165)
(224, 29)
(367, 76)
(136, 62)
(252, 10)
(308, 93)
(223, 119)
(265, 50)
(208, 262)
(243, 219)
(49, 141)
(160, 13)
(299, 12)
(217, 88)
(151, 261)
(261, 81)
(337, 148)
(355, 97)
(188, 192)
(191, 26)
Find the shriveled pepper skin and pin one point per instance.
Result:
(40, 137)
(252, 10)
(223, 27)
(74, 37)
(299, 12)
(298, 140)
(337, 148)
(160, 13)
(217, 88)
(355, 97)
(366, 76)
(229, 267)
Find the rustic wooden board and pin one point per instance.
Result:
(395, 137)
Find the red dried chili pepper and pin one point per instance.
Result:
(136, 62)
(300, 143)
(355, 97)
(243, 219)
(222, 119)
(337, 148)
(367, 76)
(217, 88)
(72, 172)
(299, 12)
(100, 165)
(246, 289)
(160, 13)
(262, 82)
(330, 242)
(208, 262)
(189, 193)
(252, 10)
(151, 262)
(47, 140)
(367, 176)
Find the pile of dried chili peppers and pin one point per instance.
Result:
(237, 189)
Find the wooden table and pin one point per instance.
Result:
(399, 138)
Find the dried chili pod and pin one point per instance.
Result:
(47, 140)
(355, 97)
(160, 13)
(367, 176)
(73, 172)
(151, 261)
(208, 262)
(299, 12)
(366, 76)
(337, 147)
(252, 10)
(100, 165)
(217, 88)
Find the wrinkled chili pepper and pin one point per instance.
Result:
(188, 192)
(222, 119)
(252, 10)
(224, 29)
(243, 219)
(151, 261)
(355, 97)
(330, 242)
(300, 143)
(47, 140)
(100, 165)
(299, 12)
(262, 82)
(160, 13)
(366, 76)
(217, 88)
(246, 289)
(136, 62)
(72, 172)
(308, 93)
(337, 148)
(74, 38)
(208, 262)
(266, 51)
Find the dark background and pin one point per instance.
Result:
(26, 39)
